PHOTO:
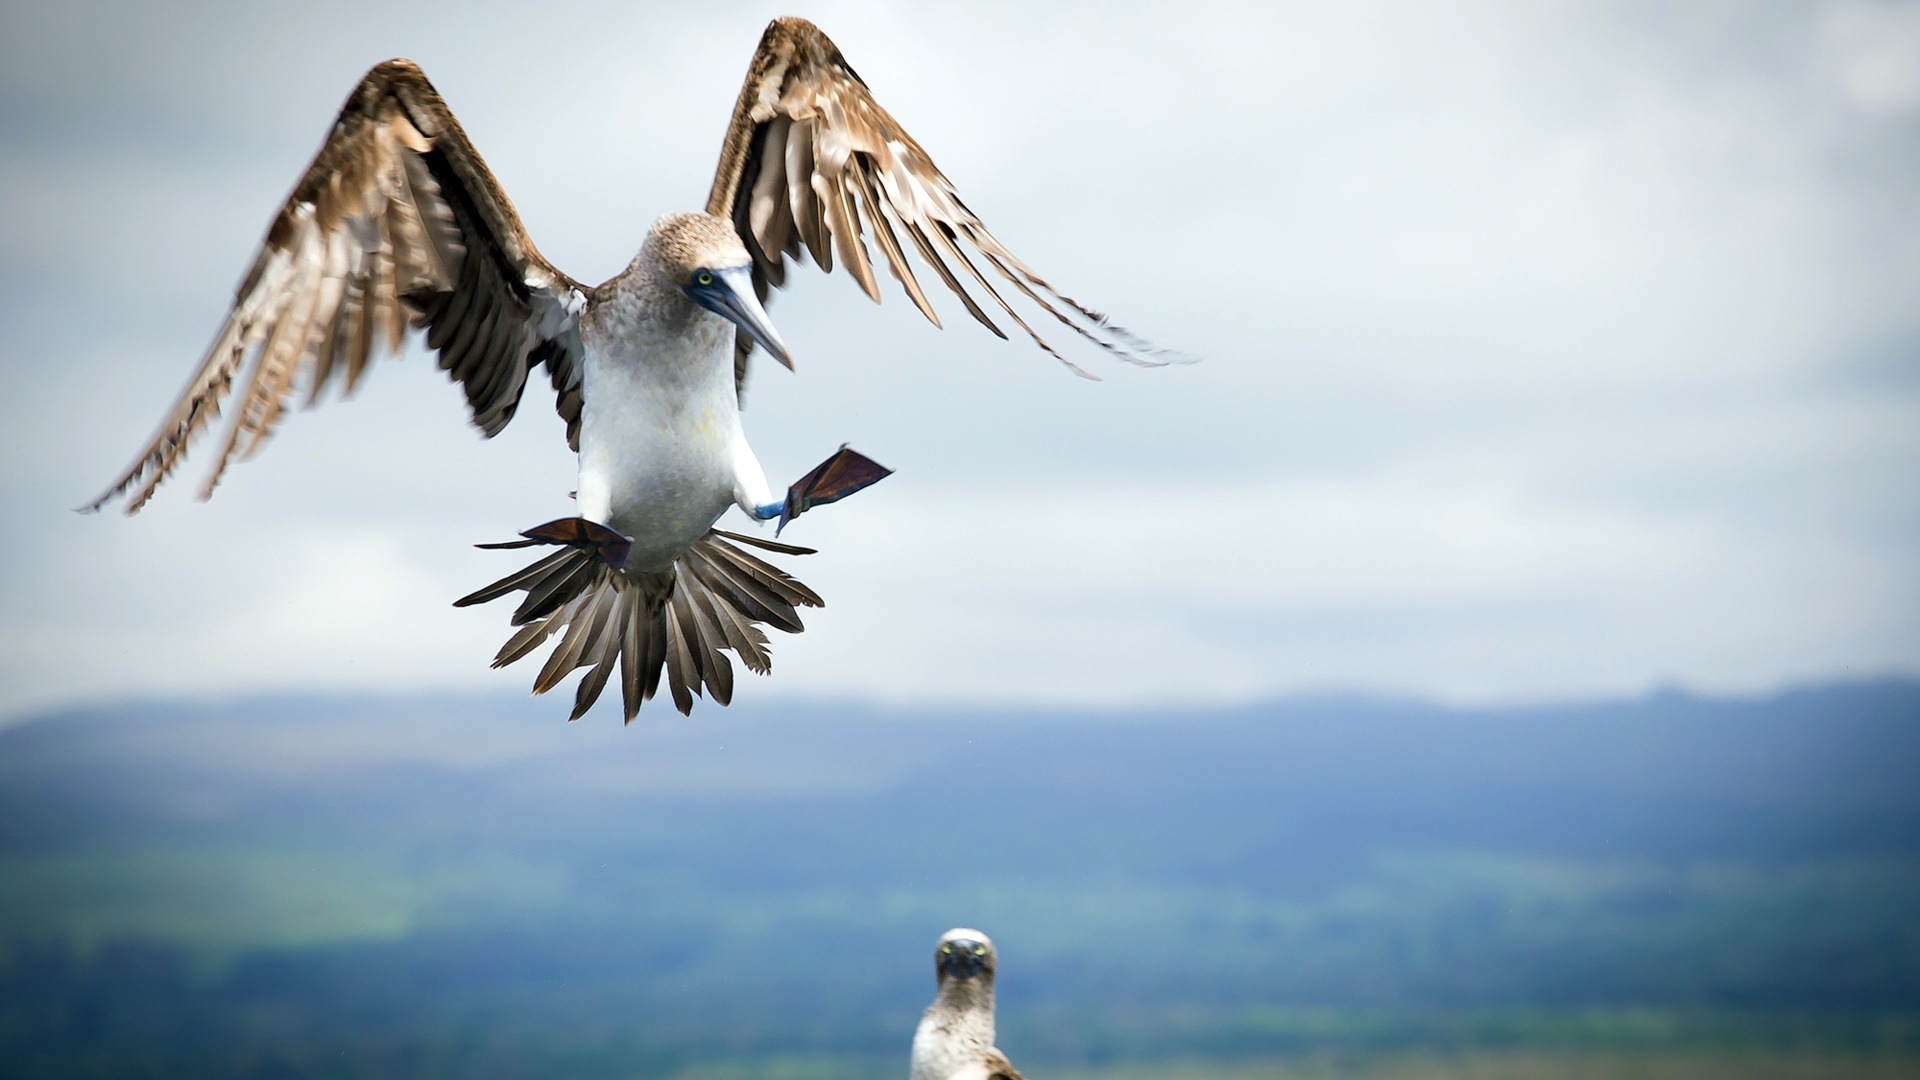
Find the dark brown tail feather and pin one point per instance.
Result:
(682, 621)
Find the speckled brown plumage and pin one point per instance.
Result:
(812, 163)
(397, 220)
(676, 246)
(683, 243)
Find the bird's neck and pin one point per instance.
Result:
(640, 326)
(640, 295)
(969, 997)
(956, 1029)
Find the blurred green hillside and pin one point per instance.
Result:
(470, 887)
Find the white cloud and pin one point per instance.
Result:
(1873, 50)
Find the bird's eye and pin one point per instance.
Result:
(703, 278)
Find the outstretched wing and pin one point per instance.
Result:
(396, 221)
(812, 163)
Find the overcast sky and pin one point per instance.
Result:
(1549, 350)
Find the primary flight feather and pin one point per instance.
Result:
(398, 223)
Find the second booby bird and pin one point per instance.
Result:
(955, 1038)
(398, 222)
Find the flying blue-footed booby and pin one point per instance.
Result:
(955, 1038)
(398, 222)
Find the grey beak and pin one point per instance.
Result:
(731, 297)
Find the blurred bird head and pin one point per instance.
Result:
(704, 257)
(963, 954)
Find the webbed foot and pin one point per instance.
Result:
(607, 545)
(846, 472)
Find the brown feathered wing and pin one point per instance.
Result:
(396, 221)
(812, 163)
(999, 1068)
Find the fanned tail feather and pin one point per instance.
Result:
(682, 621)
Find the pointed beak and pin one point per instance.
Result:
(732, 298)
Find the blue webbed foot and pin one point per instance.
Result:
(605, 544)
(846, 472)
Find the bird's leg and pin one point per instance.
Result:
(846, 472)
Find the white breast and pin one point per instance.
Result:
(950, 1045)
(659, 432)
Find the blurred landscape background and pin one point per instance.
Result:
(463, 886)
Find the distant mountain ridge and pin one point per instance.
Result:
(1835, 750)
(464, 730)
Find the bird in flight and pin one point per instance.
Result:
(398, 223)
(955, 1038)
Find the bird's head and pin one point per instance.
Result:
(702, 256)
(963, 954)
